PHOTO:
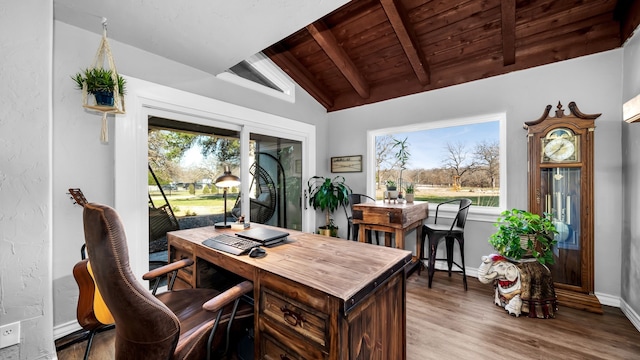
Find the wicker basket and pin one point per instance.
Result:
(524, 241)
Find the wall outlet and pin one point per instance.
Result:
(9, 334)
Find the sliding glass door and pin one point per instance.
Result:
(276, 181)
(283, 150)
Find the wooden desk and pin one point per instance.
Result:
(316, 297)
(391, 218)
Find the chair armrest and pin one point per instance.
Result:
(165, 269)
(228, 296)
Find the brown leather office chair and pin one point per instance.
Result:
(357, 199)
(437, 232)
(179, 324)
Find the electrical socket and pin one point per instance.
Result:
(9, 334)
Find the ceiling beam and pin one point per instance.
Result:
(630, 17)
(289, 64)
(336, 53)
(404, 31)
(508, 10)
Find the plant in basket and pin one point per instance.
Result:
(101, 83)
(522, 234)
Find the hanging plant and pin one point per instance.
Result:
(106, 85)
(101, 83)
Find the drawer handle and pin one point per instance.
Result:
(291, 317)
(284, 357)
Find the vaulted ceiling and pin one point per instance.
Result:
(373, 50)
(347, 54)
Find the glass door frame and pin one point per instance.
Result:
(146, 99)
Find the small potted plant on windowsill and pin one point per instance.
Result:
(522, 234)
(327, 195)
(390, 185)
(101, 83)
(392, 192)
(410, 190)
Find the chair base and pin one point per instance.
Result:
(433, 246)
(431, 271)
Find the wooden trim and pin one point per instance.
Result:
(508, 13)
(399, 21)
(327, 41)
(289, 64)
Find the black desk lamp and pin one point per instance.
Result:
(225, 181)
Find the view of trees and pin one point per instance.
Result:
(167, 148)
(463, 166)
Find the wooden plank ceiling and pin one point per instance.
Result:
(374, 50)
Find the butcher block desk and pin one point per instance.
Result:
(316, 297)
(391, 218)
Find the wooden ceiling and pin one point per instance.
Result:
(374, 50)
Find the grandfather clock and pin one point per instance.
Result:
(561, 184)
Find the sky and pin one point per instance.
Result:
(192, 157)
(429, 147)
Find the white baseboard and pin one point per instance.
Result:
(65, 329)
(608, 300)
(630, 314)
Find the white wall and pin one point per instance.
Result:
(26, 29)
(80, 160)
(630, 267)
(593, 82)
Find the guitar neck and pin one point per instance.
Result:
(78, 197)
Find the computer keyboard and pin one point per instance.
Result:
(231, 244)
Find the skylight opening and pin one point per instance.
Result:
(260, 74)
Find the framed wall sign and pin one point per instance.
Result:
(340, 164)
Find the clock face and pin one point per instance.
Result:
(559, 149)
(560, 145)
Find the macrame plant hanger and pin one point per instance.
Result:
(118, 101)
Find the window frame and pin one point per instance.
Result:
(481, 213)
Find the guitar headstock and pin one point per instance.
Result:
(78, 197)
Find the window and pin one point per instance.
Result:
(445, 159)
(260, 74)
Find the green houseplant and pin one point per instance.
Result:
(390, 185)
(327, 195)
(101, 83)
(410, 190)
(402, 157)
(521, 234)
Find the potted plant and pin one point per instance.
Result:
(391, 185)
(327, 195)
(101, 83)
(402, 155)
(523, 234)
(392, 192)
(410, 190)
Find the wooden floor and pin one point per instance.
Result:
(445, 322)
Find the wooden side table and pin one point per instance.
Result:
(391, 218)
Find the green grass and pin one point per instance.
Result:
(480, 200)
(201, 204)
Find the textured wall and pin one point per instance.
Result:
(25, 174)
(630, 266)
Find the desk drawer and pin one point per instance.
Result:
(275, 344)
(295, 317)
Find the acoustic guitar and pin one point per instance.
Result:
(92, 313)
